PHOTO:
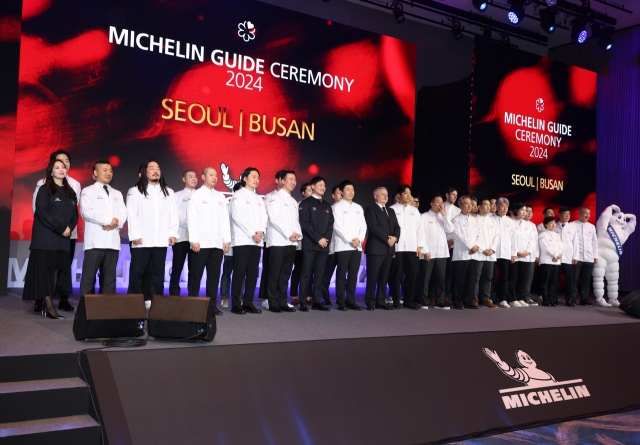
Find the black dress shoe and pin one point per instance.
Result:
(410, 306)
(238, 310)
(571, 304)
(397, 305)
(217, 311)
(327, 303)
(303, 308)
(354, 307)
(319, 307)
(275, 309)
(287, 309)
(370, 308)
(459, 306)
(342, 308)
(251, 309)
(64, 305)
(586, 303)
(38, 306)
(385, 306)
(545, 303)
(554, 304)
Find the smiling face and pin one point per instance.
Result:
(289, 182)
(348, 193)
(319, 188)
(59, 170)
(252, 180)
(381, 196)
(190, 180)
(451, 197)
(525, 360)
(65, 159)
(503, 209)
(103, 173)
(405, 197)
(585, 214)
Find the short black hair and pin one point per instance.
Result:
(100, 161)
(528, 206)
(334, 188)
(55, 154)
(547, 220)
(517, 206)
(450, 190)
(545, 210)
(473, 198)
(184, 175)
(237, 186)
(304, 186)
(433, 198)
(564, 209)
(401, 189)
(484, 199)
(281, 174)
(317, 179)
(345, 183)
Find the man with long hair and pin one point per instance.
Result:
(153, 224)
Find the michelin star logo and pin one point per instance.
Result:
(247, 31)
(532, 377)
(540, 105)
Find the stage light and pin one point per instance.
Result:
(516, 11)
(604, 35)
(548, 20)
(456, 29)
(579, 31)
(551, 2)
(480, 5)
(398, 12)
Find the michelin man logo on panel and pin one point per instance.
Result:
(613, 229)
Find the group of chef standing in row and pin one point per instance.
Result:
(484, 251)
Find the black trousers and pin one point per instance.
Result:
(520, 275)
(281, 260)
(407, 263)
(103, 260)
(432, 280)
(378, 267)
(314, 263)
(141, 257)
(570, 278)
(180, 252)
(502, 288)
(448, 274)
(295, 275)
(548, 275)
(583, 273)
(485, 270)
(225, 280)
(465, 276)
(264, 275)
(330, 268)
(211, 259)
(246, 261)
(348, 262)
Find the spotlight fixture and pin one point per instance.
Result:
(548, 20)
(456, 30)
(604, 35)
(516, 11)
(398, 12)
(579, 32)
(480, 5)
(551, 2)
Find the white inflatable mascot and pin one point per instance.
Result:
(613, 229)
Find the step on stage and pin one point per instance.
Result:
(382, 377)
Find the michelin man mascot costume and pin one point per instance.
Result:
(612, 229)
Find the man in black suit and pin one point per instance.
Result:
(383, 233)
(316, 221)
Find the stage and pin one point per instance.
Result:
(329, 377)
(25, 333)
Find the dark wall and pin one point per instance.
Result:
(618, 140)
(441, 58)
(10, 24)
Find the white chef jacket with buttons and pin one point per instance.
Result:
(488, 236)
(452, 211)
(506, 247)
(98, 209)
(436, 228)
(152, 217)
(349, 223)
(465, 236)
(208, 219)
(570, 248)
(587, 241)
(248, 216)
(411, 231)
(526, 240)
(550, 247)
(283, 214)
(182, 198)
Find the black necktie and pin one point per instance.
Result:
(384, 209)
(563, 225)
(106, 189)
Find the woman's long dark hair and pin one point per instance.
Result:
(143, 182)
(52, 186)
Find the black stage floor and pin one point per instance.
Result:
(24, 333)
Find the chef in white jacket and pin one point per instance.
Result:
(465, 265)
(283, 233)
(349, 231)
(570, 253)
(153, 224)
(104, 213)
(209, 235)
(408, 249)
(181, 248)
(488, 236)
(587, 256)
(505, 251)
(436, 225)
(551, 253)
(248, 226)
(526, 241)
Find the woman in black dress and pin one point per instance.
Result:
(55, 217)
